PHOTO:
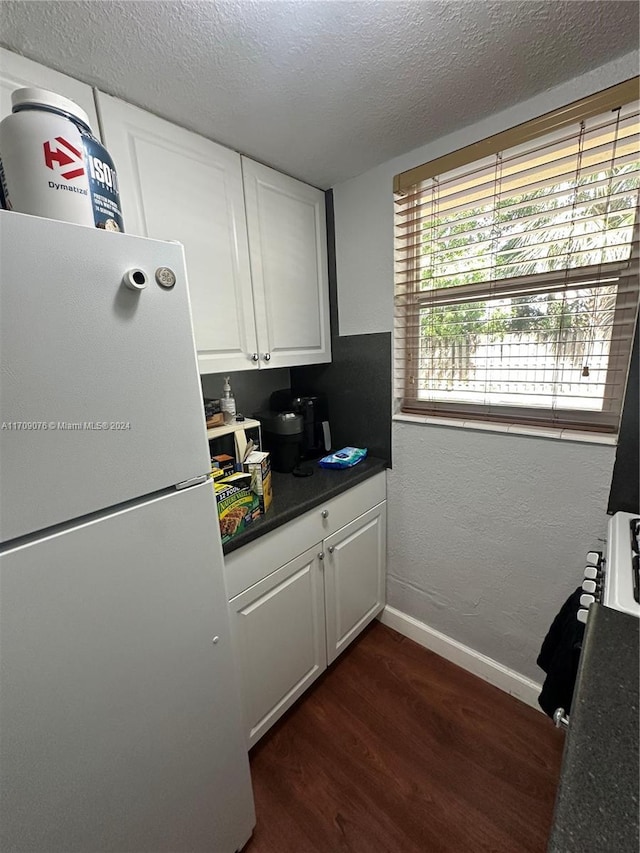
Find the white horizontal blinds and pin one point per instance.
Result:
(517, 279)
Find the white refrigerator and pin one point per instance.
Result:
(119, 712)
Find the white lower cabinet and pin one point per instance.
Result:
(278, 626)
(291, 616)
(354, 578)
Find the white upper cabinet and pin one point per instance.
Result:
(257, 276)
(288, 250)
(255, 240)
(16, 72)
(176, 185)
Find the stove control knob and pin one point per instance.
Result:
(591, 573)
(582, 615)
(560, 719)
(587, 600)
(594, 558)
(589, 586)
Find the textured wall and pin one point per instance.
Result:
(357, 382)
(487, 532)
(364, 205)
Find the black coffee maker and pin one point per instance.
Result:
(316, 436)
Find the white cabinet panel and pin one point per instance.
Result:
(16, 72)
(288, 249)
(176, 185)
(278, 628)
(290, 621)
(354, 578)
(254, 239)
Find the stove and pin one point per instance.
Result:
(613, 578)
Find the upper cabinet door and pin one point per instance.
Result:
(16, 72)
(176, 185)
(288, 249)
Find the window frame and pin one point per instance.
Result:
(410, 299)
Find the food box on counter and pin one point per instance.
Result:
(211, 407)
(226, 463)
(258, 464)
(213, 413)
(238, 505)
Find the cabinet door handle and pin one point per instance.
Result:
(321, 556)
(325, 513)
(255, 357)
(331, 549)
(267, 356)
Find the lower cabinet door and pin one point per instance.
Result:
(355, 568)
(279, 635)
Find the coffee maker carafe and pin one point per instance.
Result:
(314, 409)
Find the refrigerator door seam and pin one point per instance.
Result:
(193, 481)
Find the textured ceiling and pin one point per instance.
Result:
(322, 90)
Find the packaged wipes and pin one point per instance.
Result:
(344, 458)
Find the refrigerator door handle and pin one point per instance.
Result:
(194, 481)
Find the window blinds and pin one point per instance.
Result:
(517, 279)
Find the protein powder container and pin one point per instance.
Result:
(52, 165)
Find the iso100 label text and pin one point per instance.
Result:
(62, 426)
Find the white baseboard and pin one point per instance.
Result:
(490, 670)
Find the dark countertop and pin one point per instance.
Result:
(293, 496)
(598, 797)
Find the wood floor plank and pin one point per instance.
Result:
(396, 750)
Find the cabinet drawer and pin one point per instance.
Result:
(258, 559)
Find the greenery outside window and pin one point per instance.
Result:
(517, 272)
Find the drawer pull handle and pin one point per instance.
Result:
(325, 513)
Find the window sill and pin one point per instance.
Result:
(512, 429)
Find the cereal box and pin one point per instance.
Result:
(238, 506)
(258, 465)
(225, 462)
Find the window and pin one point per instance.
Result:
(517, 271)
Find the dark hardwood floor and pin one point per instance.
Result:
(396, 749)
